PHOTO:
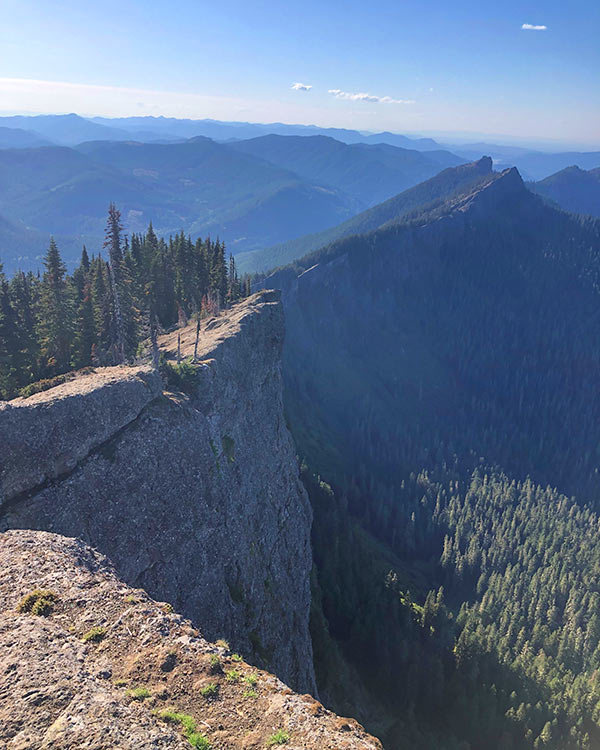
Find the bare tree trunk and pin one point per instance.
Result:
(178, 347)
(197, 337)
(154, 341)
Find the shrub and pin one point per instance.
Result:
(39, 602)
(235, 657)
(222, 643)
(95, 635)
(44, 385)
(138, 693)
(251, 679)
(182, 377)
(250, 694)
(232, 675)
(279, 738)
(210, 691)
(215, 664)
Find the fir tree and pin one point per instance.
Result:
(55, 324)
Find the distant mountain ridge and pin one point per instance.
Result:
(394, 209)
(573, 189)
(250, 197)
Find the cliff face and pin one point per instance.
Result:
(105, 666)
(195, 498)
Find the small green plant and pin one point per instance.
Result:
(232, 675)
(95, 635)
(39, 602)
(251, 679)
(188, 725)
(209, 691)
(215, 664)
(120, 683)
(279, 738)
(222, 643)
(138, 693)
(167, 608)
(131, 599)
(236, 657)
(250, 693)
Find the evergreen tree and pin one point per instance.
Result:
(55, 324)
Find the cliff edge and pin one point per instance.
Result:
(89, 662)
(194, 497)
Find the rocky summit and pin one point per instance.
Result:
(88, 661)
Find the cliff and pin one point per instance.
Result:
(102, 665)
(195, 498)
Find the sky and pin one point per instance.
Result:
(513, 67)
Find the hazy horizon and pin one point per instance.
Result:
(528, 71)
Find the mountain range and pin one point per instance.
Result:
(250, 194)
(431, 366)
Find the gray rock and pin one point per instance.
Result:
(194, 498)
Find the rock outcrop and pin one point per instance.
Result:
(196, 498)
(108, 668)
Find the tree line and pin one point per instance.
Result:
(54, 322)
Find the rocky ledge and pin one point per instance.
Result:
(87, 661)
(194, 496)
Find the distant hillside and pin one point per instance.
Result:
(224, 131)
(371, 173)
(66, 130)
(18, 138)
(198, 186)
(251, 194)
(394, 209)
(573, 189)
(538, 166)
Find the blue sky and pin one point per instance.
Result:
(427, 66)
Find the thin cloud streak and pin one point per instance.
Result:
(364, 97)
(534, 27)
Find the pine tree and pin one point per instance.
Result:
(115, 264)
(55, 324)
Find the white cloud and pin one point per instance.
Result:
(302, 87)
(533, 27)
(363, 97)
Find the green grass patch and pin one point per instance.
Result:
(188, 725)
(94, 635)
(232, 675)
(251, 679)
(138, 693)
(39, 602)
(279, 738)
(210, 691)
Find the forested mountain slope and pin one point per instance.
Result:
(371, 173)
(430, 367)
(573, 189)
(199, 186)
(442, 186)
